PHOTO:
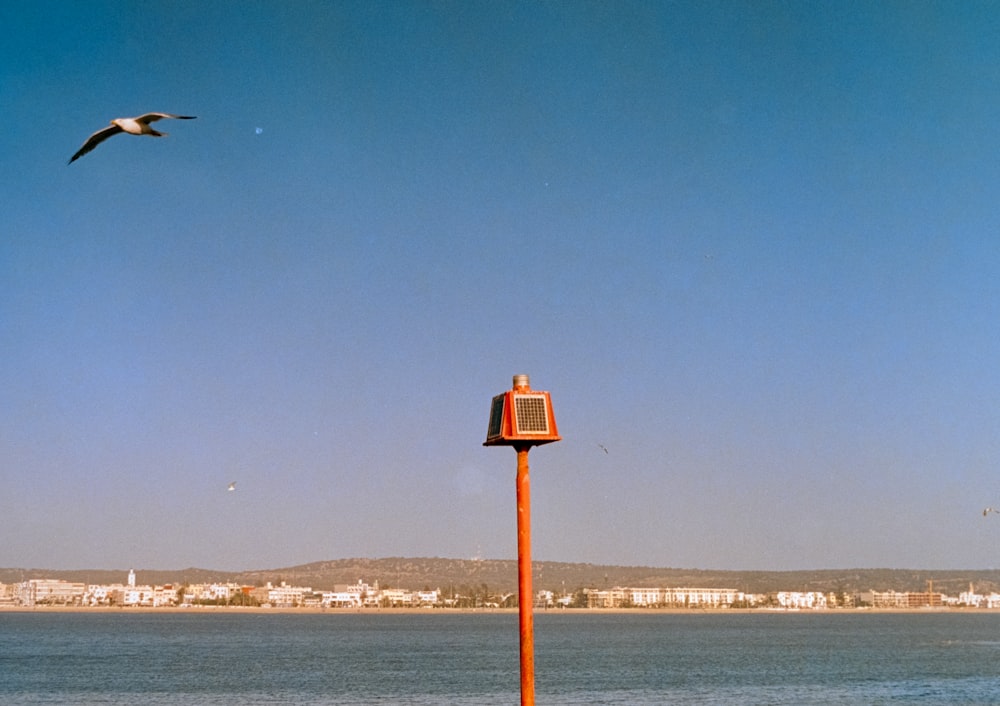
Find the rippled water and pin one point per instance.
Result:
(471, 659)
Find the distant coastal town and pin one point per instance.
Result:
(42, 592)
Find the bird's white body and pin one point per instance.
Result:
(134, 126)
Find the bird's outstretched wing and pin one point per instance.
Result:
(94, 140)
(153, 117)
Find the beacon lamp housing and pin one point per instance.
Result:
(521, 417)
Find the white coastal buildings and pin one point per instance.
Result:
(621, 597)
(55, 592)
(48, 592)
(978, 600)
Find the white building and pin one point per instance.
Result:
(101, 594)
(49, 592)
(283, 596)
(796, 600)
(978, 600)
(341, 599)
(619, 597)
(396, 596)
(646, 597)
(428, 597)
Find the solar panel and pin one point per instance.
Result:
(496, 418)
(530, 414)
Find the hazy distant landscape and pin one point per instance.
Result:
(501, 575)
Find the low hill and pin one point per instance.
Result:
(501, 575)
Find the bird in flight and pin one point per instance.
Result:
(232, 486)
(133, 126)
(603, 448)
(988, 510)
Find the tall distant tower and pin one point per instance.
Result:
(131, 578)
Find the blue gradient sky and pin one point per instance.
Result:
(752, 249)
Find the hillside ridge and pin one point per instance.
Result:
(417, 573)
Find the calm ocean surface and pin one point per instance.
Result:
(471, 659)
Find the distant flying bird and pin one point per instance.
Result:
(232, 486)
(988, 510)
(603, 447)
(133, 126)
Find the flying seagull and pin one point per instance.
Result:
(988, 510)
(232, 486)
(133, 126)
(603, 448)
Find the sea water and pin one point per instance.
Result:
(222, 657)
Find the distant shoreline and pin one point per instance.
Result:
(466, 575)
(243, 610)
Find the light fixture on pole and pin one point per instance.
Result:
(522, 418)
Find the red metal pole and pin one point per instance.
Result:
(524, 597)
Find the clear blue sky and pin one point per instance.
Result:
(751, 248)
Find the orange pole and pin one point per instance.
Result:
(524, 597)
